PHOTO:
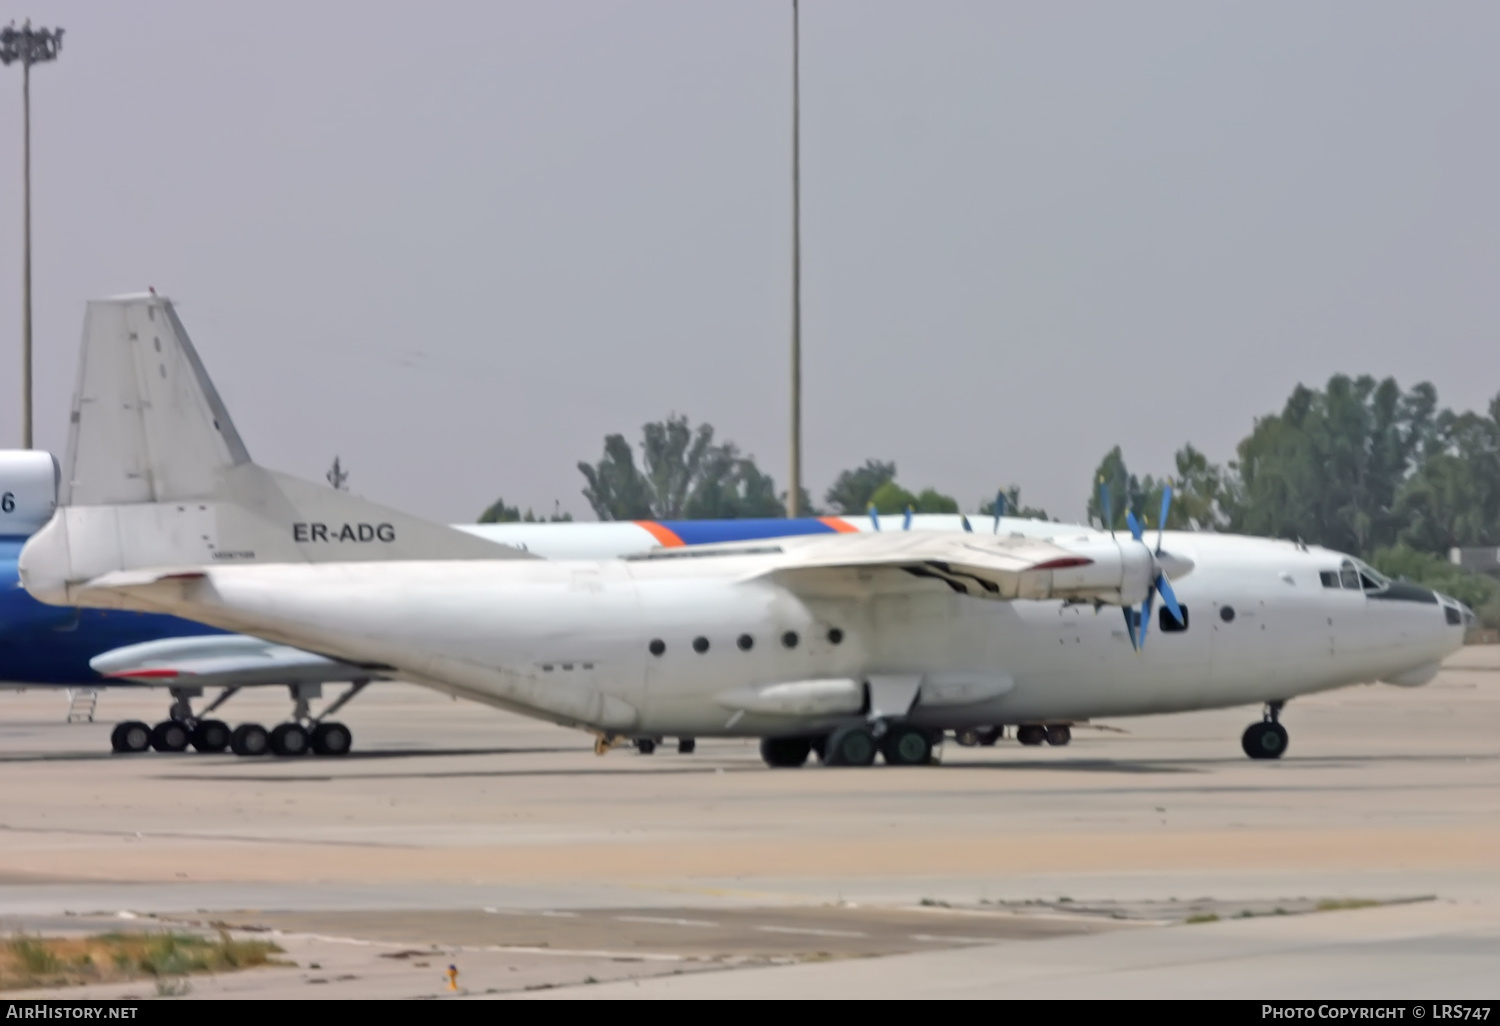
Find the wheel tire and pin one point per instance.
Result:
(850, 746)
(785, 752)
(332, 739)
(989, 735)
(1031, 734)
(906, 746)
(1264, 740)
(290, 739)
(210, 736)
(170, 736)
(645, 745)
(1059, 735)
(130, 737)
(967, 736)
(249, 739)
(686, 745)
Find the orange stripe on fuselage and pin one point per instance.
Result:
(665, 538)
(840, 525)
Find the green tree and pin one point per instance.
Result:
(1014, 507)
(853, 490)
(683, 474)
(1329, 467)
(1452, 499)
(499, 513)
(891, 498)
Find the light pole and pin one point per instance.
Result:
(794, 493)
(29, 46)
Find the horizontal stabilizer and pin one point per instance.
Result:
(233, 659)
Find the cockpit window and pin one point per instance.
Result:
(1350, 578)
(1330, 578)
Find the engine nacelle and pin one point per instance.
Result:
(28, 491)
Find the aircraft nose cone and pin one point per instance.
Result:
(1174, 566)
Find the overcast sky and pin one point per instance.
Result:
(458, 243)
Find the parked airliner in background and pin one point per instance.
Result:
(847, 644)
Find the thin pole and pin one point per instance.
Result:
(26, 256)
(794, 494)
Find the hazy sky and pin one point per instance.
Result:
(458, 243)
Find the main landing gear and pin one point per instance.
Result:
(1057, 734)
(301, 734)
(1268, 738)
(899, 744)
(647, 745)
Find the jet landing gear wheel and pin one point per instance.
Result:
(850, 746)
(1266, 740)
(906, 746)
(785, 752)
(645, 745)
(210, 736)
(169, 736)
(1059, 734)
(331, 739)
(1031, 734)
(130, 736)
(249, 739)
(290, 739)
(686, 745)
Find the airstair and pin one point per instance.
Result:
(81, 705)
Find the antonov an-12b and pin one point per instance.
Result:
(851, 645)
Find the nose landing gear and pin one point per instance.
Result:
(1268, 738)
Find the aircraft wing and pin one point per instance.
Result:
(222, 660)
(1086, 568)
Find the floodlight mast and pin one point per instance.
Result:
(29, 46)
(794, 490)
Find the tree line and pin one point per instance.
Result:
(1358, 466)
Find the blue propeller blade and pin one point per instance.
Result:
(1135, 525)
(1169, 598)
(906, 524)
(1145, 618)
(1166, 507)
(874, 516)
(1129, 623)
(967, 526)
(999, 510)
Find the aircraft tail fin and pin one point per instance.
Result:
(156, 474)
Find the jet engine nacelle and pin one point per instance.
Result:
(28, 491)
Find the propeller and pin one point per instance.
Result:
(1160, 585)
(906, 523)
(874, 516)
(967, 526)
(999, 510)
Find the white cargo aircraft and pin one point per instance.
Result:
(851, 645)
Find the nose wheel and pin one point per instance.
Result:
(1268, 738)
